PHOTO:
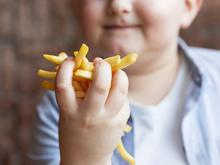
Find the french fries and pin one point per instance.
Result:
(86, 65)
(48, 85)
(83, 74)
(81, 54)
(56, 59)
(127, 128)
(113, 61)
(77, 86)
(46, 74)
(124, 154)
(83, 70)
(125, 62)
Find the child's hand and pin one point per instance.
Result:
(90, 129)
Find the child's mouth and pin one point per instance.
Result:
(120, 27)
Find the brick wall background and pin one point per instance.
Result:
(29, 28)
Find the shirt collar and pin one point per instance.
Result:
(193, 65)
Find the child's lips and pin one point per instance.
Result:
(121, 27)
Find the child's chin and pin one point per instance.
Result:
(119, 47)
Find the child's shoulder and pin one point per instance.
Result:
(206, 55)
(208, 62)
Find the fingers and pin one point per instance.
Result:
(98, 95)
(65, 94)
(98, 91)
(118, 93)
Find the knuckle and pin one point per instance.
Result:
(61, 87)
(123, 83)
(102, 78)
(101, 88)
(123, 90)
(120, 123)
(86, 122)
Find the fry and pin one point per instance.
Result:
(83, 74)
(75, 53)
(80, 79)
(127, 128)
(125, 155)
(84, 85)
(77, 86)
(80, 94)
(126, 61)
(63, 55)
(81, 54)
(48, 85)
(46, 74)
(86, 65)
(113, 61)
(54, 59)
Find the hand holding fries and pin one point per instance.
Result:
(87, 125)
(104, 110)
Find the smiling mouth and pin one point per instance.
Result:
(120, 27)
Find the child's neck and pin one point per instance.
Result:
(150, 88)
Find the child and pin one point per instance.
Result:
(173, 93)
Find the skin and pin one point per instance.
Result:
(115, 27)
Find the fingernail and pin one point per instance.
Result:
(69, 59)
(98, 60)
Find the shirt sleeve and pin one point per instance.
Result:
(44, 142)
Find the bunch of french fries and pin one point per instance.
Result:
(83, 74)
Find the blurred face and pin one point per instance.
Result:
(123, 26)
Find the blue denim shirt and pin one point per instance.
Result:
(200, 124)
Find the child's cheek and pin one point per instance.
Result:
(91, 17)
(159, 19)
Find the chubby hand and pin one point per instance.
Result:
(90, 129)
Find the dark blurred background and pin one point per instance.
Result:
(29, 28)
